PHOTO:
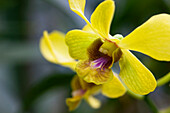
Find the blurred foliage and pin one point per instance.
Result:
(25, 75)
(165, 110)
(52, 81)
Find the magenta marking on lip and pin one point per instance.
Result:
(101, 62)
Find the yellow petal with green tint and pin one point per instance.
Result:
(54, 49)
(92, 75)
(75, 83)
(135, 75)
(102, 17)
(78, 7)
(88, 28)
(94, 90)
(78, 83)
(85, 85)
(113, 88)
(93, 102)
(151, 38)
(78, 41)
(73, 103)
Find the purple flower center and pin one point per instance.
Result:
(101, 63)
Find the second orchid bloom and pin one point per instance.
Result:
(96, 51)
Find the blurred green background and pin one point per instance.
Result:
(30, 84)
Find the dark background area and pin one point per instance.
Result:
(30, 84)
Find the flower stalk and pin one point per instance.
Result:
(150, 104)
(145, 98)
(165, 79)
(134, 95)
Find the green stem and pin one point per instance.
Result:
(151, 104)
(145, 98)
(165, 79)
(137, 96)
(160, 82)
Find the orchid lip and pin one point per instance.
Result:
(101, 63)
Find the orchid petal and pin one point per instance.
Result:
(54, 49)
(152, 38)
(78, 41)
(135, 75)
(113, 88)
(102, 17)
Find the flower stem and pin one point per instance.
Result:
(145, 98)
(151, 104)
(137, 96)
(163, 80)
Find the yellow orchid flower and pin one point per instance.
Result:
(83, 90)
(97, 50)
(54, 49)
